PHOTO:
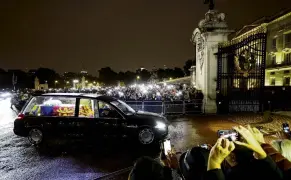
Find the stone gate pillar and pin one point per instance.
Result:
(210, 32)
(193, 76)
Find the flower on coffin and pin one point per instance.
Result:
(65, 111)
(86, 111)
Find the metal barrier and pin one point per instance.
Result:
(168, 107)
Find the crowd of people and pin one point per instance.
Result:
(251, 157)
(152, 92)
(140, 92)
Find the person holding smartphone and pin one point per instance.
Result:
(170, 159)
(262, 166)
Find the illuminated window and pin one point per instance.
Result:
(251, 83)
(274, 59)
(287, 38)
(287, 57)
(274, 43)
(236, 83)
(286, 81)
(272, 81)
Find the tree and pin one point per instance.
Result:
(161, 74)
(178, 72)
(187, 66)
(144, 75)
(69, 76)
(48, 75)
(129, 77)
(108, 76)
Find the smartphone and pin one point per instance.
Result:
(204, 146)
(286, 127)
(167, 146)
(231, 135)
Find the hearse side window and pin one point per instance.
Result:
(51, 106)
(107, 111)
(87, 108)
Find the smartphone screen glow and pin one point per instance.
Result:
(167, 146)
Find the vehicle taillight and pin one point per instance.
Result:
(20, 116)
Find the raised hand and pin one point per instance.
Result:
(219, 152)
(251, 142)
(257, 134)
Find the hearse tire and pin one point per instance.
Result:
(146, 136)
(36, 136)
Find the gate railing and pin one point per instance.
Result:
(168, 107)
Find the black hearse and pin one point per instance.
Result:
(76, 115)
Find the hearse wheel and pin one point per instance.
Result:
(35, 136)
(146, 136)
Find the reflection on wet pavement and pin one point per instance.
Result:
(20, 160)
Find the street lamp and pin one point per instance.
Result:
(171, 78)
(75, 81)
(86, 81)
(67, 82)
(137, 77)
(94, 82)
(56, 82)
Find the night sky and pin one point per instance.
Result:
(69, 35)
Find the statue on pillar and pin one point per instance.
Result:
(36, 83)
(211, 4)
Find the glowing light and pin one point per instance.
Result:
(5, 95)
(145, 91)
(137, 77)
(158, 94)
(75, 81)
(179, 93)
(121, 93)
(109, 92)
(169, 86)
(160, 126)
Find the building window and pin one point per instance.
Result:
(274, 43)
(272, 81)
(274, 59)
(287, 38)
(286, 81)
(286, 71)
(272, 73)
(287, 57)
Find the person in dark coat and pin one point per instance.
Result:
(147, 168)
(193, 163)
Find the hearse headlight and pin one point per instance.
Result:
(160, 125)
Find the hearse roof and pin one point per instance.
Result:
(81, 95)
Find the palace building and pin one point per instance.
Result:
(278, 47)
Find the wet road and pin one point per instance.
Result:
(20, 160)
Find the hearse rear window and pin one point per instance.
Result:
(51, 106)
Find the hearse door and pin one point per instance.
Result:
(84, 121)
(113, 123)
